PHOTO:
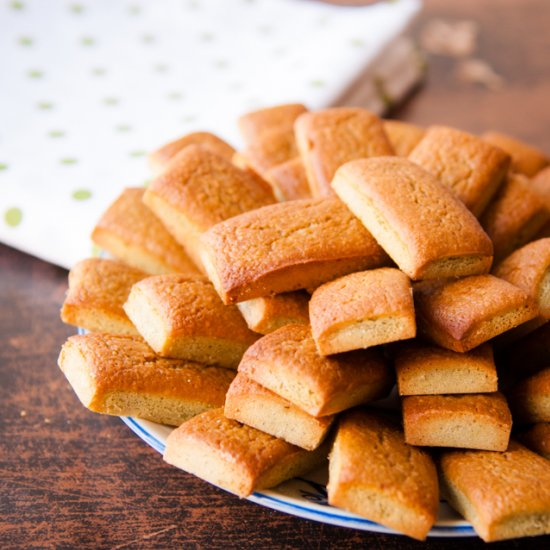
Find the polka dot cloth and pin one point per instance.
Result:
(89, 87)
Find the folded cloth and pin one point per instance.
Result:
(88, 88)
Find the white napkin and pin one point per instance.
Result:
(88, 88)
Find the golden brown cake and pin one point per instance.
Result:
(97, 291)
(236, 457)
(133, 234)
(472, 168)
(264, 315)
(515, 216)
(200, 189)
(256, 406)
(419, 223)
(289, 180)
(429, 370)
(329, 138)
(287, 363)
(273, 148)
(529, 268)
(478, 421)
(285, 247)
(375, 474)
(526, 159)
(530, 399)
(159, 159)
(255, 124)
(448, 313)
(121, 375)
(403, 136)
(503, 495)
(537, 438)
(184, 317)
(362, 310)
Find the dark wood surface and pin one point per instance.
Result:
(73, 479)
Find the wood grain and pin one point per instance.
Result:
(73, 479)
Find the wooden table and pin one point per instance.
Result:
(73, 479)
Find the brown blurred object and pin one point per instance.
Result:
(450, 38)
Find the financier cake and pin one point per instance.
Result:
(97, 291)
(362, 310)
(503, 495)
(375, 474)
(121, 375)
(133, 234)
(184, 317)
(287, 363)
(236, 457)
(285, 247)
(425, 229)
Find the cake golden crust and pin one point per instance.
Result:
(503, 495)
(256, 406)
(184, 317)
(362, 310)
(234, 456)
(200, 189)
(420, 223)
(289, 180)
(375, 474)
(264, 315)
(121, 375)
(447, 314)
(255, 124)
(287, 363)
(286, 247)
(429, 370)
(529, 268)
(515, 216)
(97, 291)
(132, 233)
(530, 399)
(329, 138)
(404, 137)
(470, 167)
(480, 421)
(161, 158)
(526, 159)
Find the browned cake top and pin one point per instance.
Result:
(364, 295)
(526, 159)
(254, 450)
(403, 136)
(500, 485)
(374, 454)
(289, 180)
(469, 166)
(422, 212)
(131, 221)
(527, 266)
(209, 189)
(489, 405)
(291, 352)
(459, 305)
(331, 137)
(103, 283)
(281, 117)
(299, 233)
(161, 157)
(191, 304)
(127, 363)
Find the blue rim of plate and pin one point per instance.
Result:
(323, 514)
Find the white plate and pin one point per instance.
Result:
(306, 496)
